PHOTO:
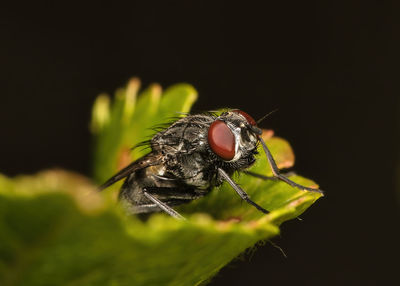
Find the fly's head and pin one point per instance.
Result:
(233, 137)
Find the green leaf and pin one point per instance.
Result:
(56, 229)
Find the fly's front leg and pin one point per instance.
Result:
(263, 177)
(240, 191)
(277, 174)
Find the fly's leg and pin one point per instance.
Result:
(268, 177)
(140, 209)
(240, 191)
(279, 176)
(163, 206)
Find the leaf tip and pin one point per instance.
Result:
(100, 113)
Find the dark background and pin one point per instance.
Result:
(329, 68)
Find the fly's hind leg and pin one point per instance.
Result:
(138, 200)
(150, 204)
(165, 197)
(155, 199)
(162, 205)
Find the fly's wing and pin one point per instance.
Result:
(144, 162)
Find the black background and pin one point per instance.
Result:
(329, 68)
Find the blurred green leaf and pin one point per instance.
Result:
(119, 127)
(56, 229)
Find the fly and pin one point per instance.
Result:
(189, 158)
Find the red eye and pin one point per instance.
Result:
(221, 140)
(249, 119)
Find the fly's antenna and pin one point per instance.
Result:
(266, 115)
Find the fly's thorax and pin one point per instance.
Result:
(185, 152)
(186, 136)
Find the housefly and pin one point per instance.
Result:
(189, 158)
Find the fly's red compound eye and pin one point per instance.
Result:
(221, 140)
(249, 119)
